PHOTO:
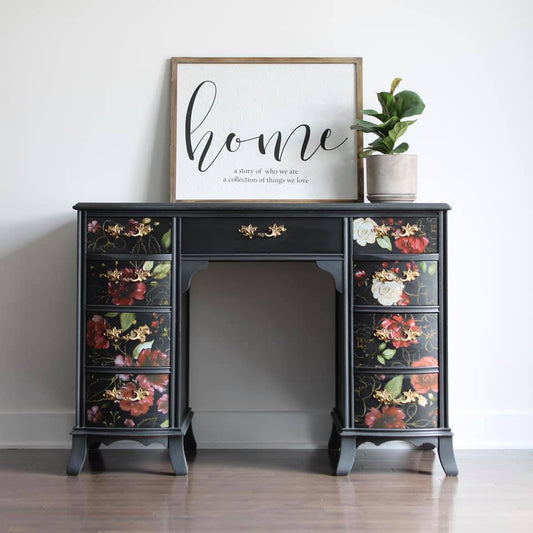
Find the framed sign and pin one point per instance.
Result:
(265, 129)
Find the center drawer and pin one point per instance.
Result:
(275, 235)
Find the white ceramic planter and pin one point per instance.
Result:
(391, 177)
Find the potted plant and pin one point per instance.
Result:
(391, 175)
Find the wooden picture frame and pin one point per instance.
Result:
(265, 129)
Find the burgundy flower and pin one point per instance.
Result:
(162, 404)
(123, 360)
(129, 422)
(402, 332)
(96, 328)
(424, 383)
(94, 415)
(388, 418)
(132, 226)
(125, 292)
(135, 407)
(149, 357)
(404, 299)
(360, 277)
(93, 226)
(158, 382)
(412, 244)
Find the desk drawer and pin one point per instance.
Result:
(273, 235)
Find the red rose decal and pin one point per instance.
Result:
(360, 278)
(389, 418)
(125, 292)
(135, 407)
(426, 361)
(148, 357)
(162, 404)
(404, 299)
(424, 383)
(94, 415)
(158, 382)
(402, 333)
(96, 328)
(412, 244)
(93, 226)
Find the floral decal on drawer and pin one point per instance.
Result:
(128, 283)
(395, 340)
(121, 235)
(396, 283)
(409, 236)
(127, 400)
(398, 402)
(128, 339)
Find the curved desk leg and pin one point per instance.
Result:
(176, 452)
(447, 457)
(78, 453)
(189, 441)
(334, 439)
(346, 456)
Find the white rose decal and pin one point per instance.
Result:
(364, 231)
(387, 292)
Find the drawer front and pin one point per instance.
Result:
(396, 401)
(397, 340)
(128, 283)
(141, 235)
(401, 283)
(128, 339)
(406, 235)
(127, 400)
(232, 235)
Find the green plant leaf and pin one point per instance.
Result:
(140, 347)
(389, 353)
(383, 130)
(111, 315)
(384, 242)
(161, 270)
(384, 146)
(388, 104)
(432, 269)
(374, 113)
(408, 103)
(381, 359)
(366, 153)
(394, 386)
(394, 84)
(148, 265)
(126, 321)
(401, 148)
(365, 126)
(382, 346)
(399, 129)
(166, 240)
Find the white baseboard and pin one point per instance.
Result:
(271, 429)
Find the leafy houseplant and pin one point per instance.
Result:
(394, 108)
(391, 174)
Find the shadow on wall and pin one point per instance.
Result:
(37, 324)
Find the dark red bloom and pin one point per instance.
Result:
(149, 357)
(94, 415)
(412, 244)
(424, 383)
(360, 277)
(132, 226)
(93, 226)
(158, 382)
(125, 292)
(162, 404)
(135, 407)
(388, 418)
(426, 361)
(96, 328)
(404, 299)
(402, 332)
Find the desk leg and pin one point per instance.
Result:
(447, 457)
(176, 452)
(189, 441)
(346, 456)
(78, 453)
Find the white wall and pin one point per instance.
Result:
(84, 116)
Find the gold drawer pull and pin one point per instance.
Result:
(274, 231)
(410, 396)
(139, 230)
(135, 396)
(117, 275)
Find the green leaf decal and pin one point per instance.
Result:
(126, 321)
(166, 239)
(384, 242)
(111, 315)
(140, 347)
(432, 269)
(161, 271)
(423, 267)
(381, 359)
(148, 265)
(394, 386)
(164, 424)
(389, 353)
(382, 346)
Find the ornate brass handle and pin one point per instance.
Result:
(117, 275)
(274, 231)
(116, 395)
(139, 230)
(114, 334)
(410, 396)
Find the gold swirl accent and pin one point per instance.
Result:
(408, 335)
(410, 396)
(388, 275)
(116, 395)
(274, 231)
(117, 275)
(138, 334)
(139, 230)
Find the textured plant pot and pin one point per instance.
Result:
(391, 177)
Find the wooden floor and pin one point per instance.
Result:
(273, 490)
